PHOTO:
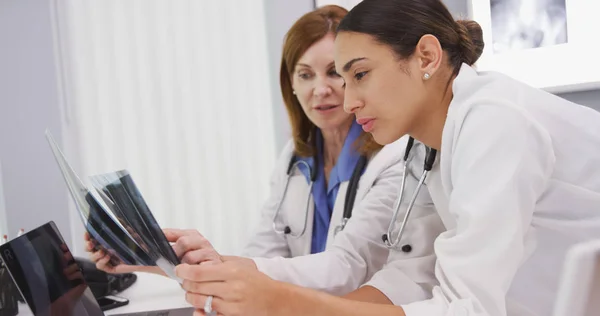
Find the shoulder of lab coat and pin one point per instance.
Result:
(266, 242)
(358, 252)
(496, 163)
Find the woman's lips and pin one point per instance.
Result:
(366, 123)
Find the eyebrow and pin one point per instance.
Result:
(303, 65)
(308, 66)
(350, 63)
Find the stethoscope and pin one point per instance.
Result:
(428, 164)
(348, 202)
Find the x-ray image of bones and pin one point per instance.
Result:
(525, 24)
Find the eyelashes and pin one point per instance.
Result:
(358, 76)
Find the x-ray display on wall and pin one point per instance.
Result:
(347, 4)
(549, 44)
(518, 25)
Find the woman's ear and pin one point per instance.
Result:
(429, 55)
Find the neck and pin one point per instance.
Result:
(333, 141)
(429, 128)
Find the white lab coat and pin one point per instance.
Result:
(266, 242)
(355, 254)
(517, 183)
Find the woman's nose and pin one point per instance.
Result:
(322, 90)
(322, 87)
(351, 102)
(351, 106)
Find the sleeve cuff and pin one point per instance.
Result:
(399, 288)
(274, 268)
(428, 307)
(439, 306)
(269, 266)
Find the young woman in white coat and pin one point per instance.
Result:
(354, 179)
(308, 81)
(516, 179)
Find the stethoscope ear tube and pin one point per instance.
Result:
(429, 159)
(352, 189)
(287, 230)
(386, 237)
(409, 145)
(410, 208)
(427, 166)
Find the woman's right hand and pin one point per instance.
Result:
(191, 247)
(102, 260)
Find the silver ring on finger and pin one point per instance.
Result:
(208, 307)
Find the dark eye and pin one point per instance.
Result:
(360, 75)
(304, 76)
(333, 73)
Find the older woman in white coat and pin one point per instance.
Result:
(330, 169)
(516, 179)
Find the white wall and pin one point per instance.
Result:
(34, 191)
(589, 98)
(3, 226)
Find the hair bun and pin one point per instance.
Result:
(470, 36)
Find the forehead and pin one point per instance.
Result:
(321, 52)
(350, 45)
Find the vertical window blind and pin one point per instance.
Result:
(177, 92)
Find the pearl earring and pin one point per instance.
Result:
(294, 92)
(426, 76)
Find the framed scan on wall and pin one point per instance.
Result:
(548, 44)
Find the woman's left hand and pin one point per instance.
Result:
(236, 289)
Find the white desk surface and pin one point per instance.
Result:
(150, 292)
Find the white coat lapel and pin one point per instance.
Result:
(440, 185)
(439, 197)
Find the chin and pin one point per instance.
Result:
(383, 137)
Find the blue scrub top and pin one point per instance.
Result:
(324, 196)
